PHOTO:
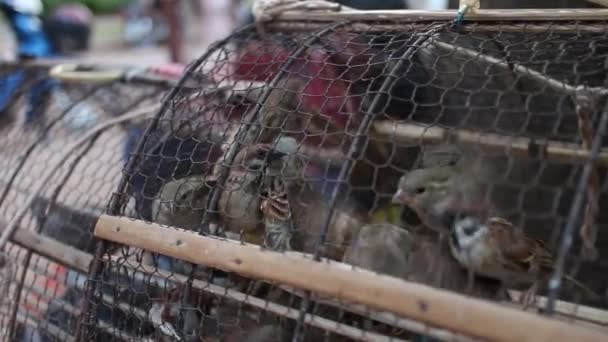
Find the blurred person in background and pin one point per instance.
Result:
(64, 30)
(32, 42)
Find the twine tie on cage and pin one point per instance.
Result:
(266, 10)
(466, 6)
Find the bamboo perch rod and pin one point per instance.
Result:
(552, 150)
(541, 14)
(424, 303)
(525, 27)
(387, 318)
(78, 260)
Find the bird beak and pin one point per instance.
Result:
(401, 197)
(275, 155)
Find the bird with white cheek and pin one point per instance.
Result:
(492, 247)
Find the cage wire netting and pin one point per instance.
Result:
(366, 144)
(58, 188)
(467, 157)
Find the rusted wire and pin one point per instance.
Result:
(585, 104)
(355, 150)
(117, 201)
(577, 203)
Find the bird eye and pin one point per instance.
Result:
(420, 190)
(255, 167)
(470, 230)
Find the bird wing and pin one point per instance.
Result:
(520, 253)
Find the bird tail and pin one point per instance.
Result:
(589, 292)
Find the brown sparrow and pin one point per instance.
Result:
(433, 191)
(294, 213)
(393, 250)
(182, 202)
(496, 249)
(239, 204)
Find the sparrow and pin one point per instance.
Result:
(294, 212)
(239, 203)
(181, 203)
(497, 249)
(395, 251)
(432, 191)
(294, 108)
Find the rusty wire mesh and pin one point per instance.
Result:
(43, 298)
(296, 141)
(520, 102)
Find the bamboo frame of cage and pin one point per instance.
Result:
(433, 306)
(408, 133)
(506, 26)
(67, 255)
(541, 14)
(78, 260)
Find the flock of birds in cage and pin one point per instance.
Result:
(320, 145)
(308, 162)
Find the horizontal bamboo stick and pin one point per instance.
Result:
(469, 316)
(552, 150)
(388, 26)
(541, 14)
(80, 261)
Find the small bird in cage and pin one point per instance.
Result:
(240, 200)
(181, 202)
(485, 245)
(295, 212)
(497, 249)
(432, 191)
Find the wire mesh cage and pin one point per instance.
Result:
(62, 142)
(327, 175)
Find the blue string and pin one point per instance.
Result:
(461, 13)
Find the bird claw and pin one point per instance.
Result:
(528, 297)
(278, 240)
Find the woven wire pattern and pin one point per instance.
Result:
(50, 252)
(297, 141)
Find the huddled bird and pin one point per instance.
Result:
(487, 246)
(239, 205)
(497, 249)
(432, 191)
(181, 203)
(294, 212)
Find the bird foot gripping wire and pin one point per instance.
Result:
(466, 7)
(266, 10)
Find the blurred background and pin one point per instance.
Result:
(150, 32)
